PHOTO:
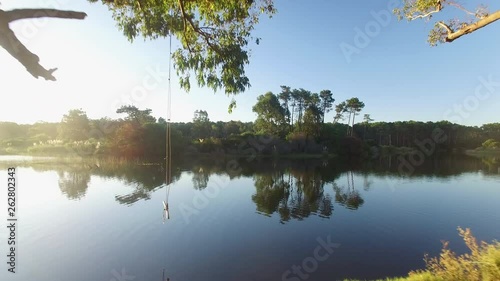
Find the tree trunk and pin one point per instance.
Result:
(348, 123)
(353, 117)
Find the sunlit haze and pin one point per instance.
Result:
(398, 75)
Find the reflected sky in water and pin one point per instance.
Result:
(97, 220)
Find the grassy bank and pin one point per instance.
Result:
(413, 277)
(12, 151)
(482, 263)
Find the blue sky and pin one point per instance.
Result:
(397, 74)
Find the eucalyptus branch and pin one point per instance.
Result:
(445, 26)
(184, 16)
(422, 16)
(438, 9)
(206, 36)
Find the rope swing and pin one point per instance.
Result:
(168, 150)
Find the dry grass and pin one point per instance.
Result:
(481, 264)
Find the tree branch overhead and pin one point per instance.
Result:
(10, 42)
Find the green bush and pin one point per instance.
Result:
(491, 144)
(247, 134)
(81, 148)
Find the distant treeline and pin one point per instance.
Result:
(139, 135)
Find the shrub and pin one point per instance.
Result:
(491, 143)
(481, 264)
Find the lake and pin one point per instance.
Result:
(244, 219)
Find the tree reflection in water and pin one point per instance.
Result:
(294, 189)
(74, 183)
(492, 164)
(348, 197)
(200, 178)
(293, 195)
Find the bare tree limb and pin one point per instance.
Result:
(438, 9)
(425, 15)
(19, 14)
(10, 42)
(445, 26)
(473, 27)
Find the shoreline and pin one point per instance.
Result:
(483, 152)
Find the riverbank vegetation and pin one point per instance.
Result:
(490, 147)
(482, 263)
(290, 124)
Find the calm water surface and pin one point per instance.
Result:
(246, 220)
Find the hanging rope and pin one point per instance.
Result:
(168, 148)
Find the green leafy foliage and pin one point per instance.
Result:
(327, 101)
(137, 135)
(491, 143)
(214, 35)
(75, 126)
(141, 117)
(482, 263)
(352, 107)
(271, 116)
(201, 125)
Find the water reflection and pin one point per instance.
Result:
(293, 189)
(348, 196)
(313, 198)
(492, 164)
(293, 195)
(439, 166)
(74, 183)
(201, 177)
